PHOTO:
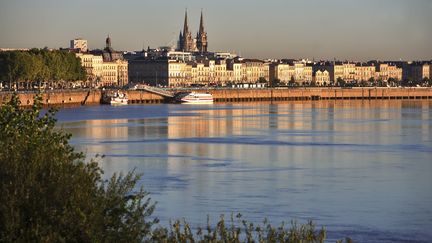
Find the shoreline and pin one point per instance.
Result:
(93, 97)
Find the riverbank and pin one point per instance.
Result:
(92, 97)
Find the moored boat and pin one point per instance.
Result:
(116, 98)
(195, 98)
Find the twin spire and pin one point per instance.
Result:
(201, 28)
(185, 25)
(186, 43)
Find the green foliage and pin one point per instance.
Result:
(292, 81)
(239, 230)
(262, 80)
(276, 82)
(40, 65)
(340, 82)
(50, 194)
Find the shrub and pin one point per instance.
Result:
(50, 194)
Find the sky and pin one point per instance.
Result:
(314, 29)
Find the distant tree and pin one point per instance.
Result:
(371, 81)
(262, 80)
(292, 81)
(407, 82)
(50, 194)
(426, 81)
(276, 82)
(37, 65)
(340, 82)
(429, 82)
(392, 82)
(312, 84)
(379, 82)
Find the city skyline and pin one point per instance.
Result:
(354, 30)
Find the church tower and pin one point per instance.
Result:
(202, 37)
(186, 43)
(108, 43)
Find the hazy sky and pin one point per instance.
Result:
(320, 29)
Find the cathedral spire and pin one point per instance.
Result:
(108, 42)
(201, 28)
(202, 36)
(185, 26)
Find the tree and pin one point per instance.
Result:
(275, 82)
(392, 82)
(379, 82)
(262, 80)
(292, 81)
(340, 82)
(371, 81)
(38, 65)
(407, 82)
(50, 194)
(363, 83)
(426, 81)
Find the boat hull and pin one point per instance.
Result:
(197, 102)
(196, 98)
(116, 98)
(118, 101)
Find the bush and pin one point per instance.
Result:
(239, 230)
(48, 192)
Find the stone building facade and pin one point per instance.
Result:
(321, 77)
(385, 71)
(364, 72)
(105, 68)
(79, 44)
(286, 72)
(417, 71)
(176, 73)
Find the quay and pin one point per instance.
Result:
(93, 97)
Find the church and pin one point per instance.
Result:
(188, 44)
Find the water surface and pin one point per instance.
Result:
(361, 168)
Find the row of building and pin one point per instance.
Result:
(174, 68)
(177, 72)
(191, 64)
(105, 67)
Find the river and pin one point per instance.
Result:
(360, 168)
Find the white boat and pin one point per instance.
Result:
(195, 98)
(116, 98)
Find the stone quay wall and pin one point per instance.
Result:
(89, 97)
(235, 95)
(56, 98)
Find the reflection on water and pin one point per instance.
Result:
(362, 168)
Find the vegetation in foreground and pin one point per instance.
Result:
(50, 194)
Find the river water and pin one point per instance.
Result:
(360, 168)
